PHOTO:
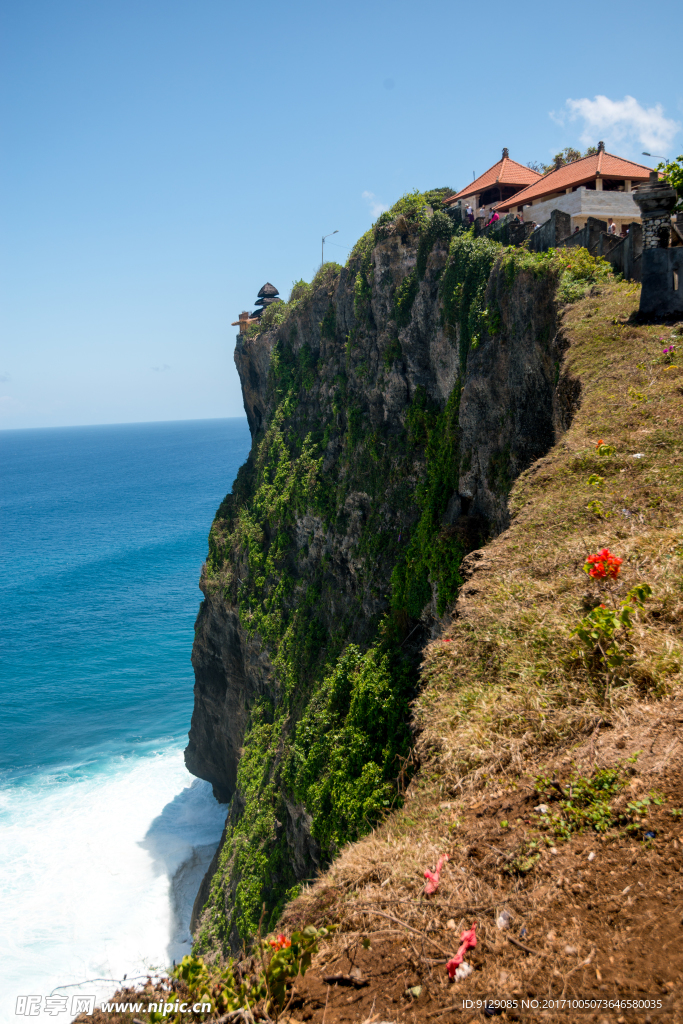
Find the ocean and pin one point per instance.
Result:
(104, 834)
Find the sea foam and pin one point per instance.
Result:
(88, 869)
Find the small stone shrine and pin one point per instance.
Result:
(266, 297)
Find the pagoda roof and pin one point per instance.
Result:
(602, 164)
(505, 172)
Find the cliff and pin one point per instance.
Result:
(392, 403)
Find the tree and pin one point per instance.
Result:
(673, 173)
(568, 155)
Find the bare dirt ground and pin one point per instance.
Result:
(598, 918)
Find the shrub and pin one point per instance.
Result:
(404, 298)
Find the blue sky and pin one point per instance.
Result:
(160, 160)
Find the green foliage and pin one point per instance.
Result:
(288, 962)
(499, 474)
(673, 173)
(354, 419)
(348, 744)
(333, 735)
(438, 228)
(568, 155)
(362, 296)
(278, 313)
(525, 860)
(434, 553)
(583, 804)
(412, 206)
(300, 290)
(604, 631)
(574, 269)
(392, 352)
(404, 298)
(328, 326)
(279, 962)
(463, 287)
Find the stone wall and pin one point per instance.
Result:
(656, 231)
(624, 254)
(589, 237)
(507, 231)
(552, 232)
(662, 276)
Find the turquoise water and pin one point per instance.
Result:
(103, 532)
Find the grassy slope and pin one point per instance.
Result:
(510, 695)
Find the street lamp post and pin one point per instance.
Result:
(322, 258)
(655, 156)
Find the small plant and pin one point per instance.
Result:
(584, 802)
(637, 811)
(597, 509)
(525, 860)
(290, 958)
(669, 354)
(594, 480)
(282, 960)
(604, 631)
(604, 450)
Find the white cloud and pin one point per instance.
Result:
(375, 206)
(622, 121)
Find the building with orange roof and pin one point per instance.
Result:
(502, 181)
(595, 186)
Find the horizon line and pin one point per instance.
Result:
(125, 423)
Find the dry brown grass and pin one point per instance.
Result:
(512, 677)
(510, 695)
(510, 690)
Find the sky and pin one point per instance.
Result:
(160, 160)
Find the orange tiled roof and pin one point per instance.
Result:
(578, 173)
(505, 172)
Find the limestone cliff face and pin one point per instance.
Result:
(231, 672)
(369, 354)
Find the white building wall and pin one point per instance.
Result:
(585, 203)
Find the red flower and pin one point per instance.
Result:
(281, 942)
(433, 876)
(603, 564)
(468, 940)
(599, 443)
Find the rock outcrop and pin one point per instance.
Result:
(391, 405)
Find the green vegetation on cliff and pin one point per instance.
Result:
(325, 750)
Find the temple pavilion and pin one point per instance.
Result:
(594, 186)
(502, 181)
